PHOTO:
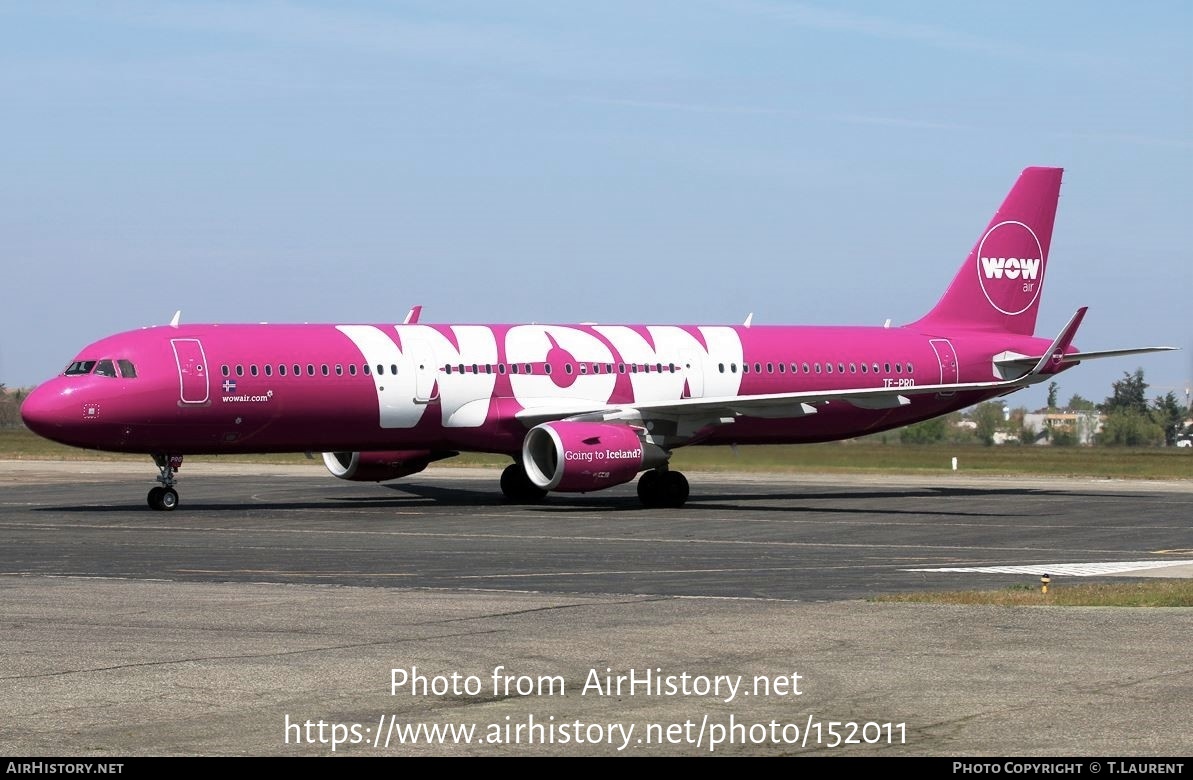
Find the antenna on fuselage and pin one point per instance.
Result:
(412, 315)
(174, 320)
(749, 319)
(887, 324)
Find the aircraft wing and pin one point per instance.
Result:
(771, 405)
(696, 412)
(1026, 361)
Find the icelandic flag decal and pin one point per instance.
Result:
(229, 385)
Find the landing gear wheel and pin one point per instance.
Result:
(659, 489)
(163, 499)
(675, 489)
(518, 488)
(648, 490)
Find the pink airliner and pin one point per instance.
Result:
(578, 408)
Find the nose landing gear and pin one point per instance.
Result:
(164, 498)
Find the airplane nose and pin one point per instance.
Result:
(44, 411)
(35, 412)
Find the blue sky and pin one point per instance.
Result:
(654, 162)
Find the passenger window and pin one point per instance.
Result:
(745, 368)
(281, 369)
(105, 368)
(621, 368)
(239, 370)
(365, 368)
(583, 368)
(567, 368)
(225, 370)
(817, 368)
(127, 370)
(501, 368)
(393, 369)
(909, 369)
(770, 368)
(805, 367)
(323, 369)
(721, 367)
(733, 368)
(783, 367)
(352, 369)
(310, 369)
(898, 368)
(297, 370)
(863, 368)
(253, 369)
(886, 367)
(339, 370)
(828, 368)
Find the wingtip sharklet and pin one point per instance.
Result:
(1052, 360)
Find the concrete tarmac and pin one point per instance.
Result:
(278, 598)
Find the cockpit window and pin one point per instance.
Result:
(80, 367)
(127, 369)
(105, 368)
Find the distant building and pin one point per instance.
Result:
(1004, 437)
(1081, 424)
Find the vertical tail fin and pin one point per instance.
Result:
(999, 284)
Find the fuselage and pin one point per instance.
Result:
(199, 389)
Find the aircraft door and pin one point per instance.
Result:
(425, 373)
(949, 372)
(693, 371)
(193, 385)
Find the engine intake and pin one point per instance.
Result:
(381, 466)
(575, 457)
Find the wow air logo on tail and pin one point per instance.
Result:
(1010, 267)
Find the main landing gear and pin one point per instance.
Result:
(657, 488)
(664, 488)
(518, 488)
(164, 498)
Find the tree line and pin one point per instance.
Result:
(1127, 417)
(10, 406)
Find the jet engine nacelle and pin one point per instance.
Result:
(577, 457)
(380, 466)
